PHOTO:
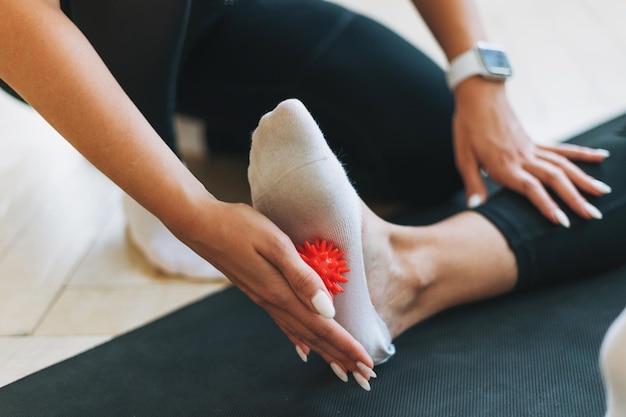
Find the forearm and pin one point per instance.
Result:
(454, 23)
(48, 61)
(457, 27)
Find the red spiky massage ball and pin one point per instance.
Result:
(327, 261)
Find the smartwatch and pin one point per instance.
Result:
(487, 60)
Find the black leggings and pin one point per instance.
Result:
(549, 253)
(383, 105)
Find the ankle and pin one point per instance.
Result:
(420, 272)
(470, 261)
(399, 269)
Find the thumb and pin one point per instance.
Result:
(475, 189)
(307, 284)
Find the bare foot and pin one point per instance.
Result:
(415, 272)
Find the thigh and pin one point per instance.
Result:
(382, 104)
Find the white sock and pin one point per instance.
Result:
(299, 184)
(613, 365)
(161, 247)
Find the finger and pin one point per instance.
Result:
(529, 186)
(577, 152)
(363, 368)
(361, 374)
(304, 282)
(302, 350)
(556, 179)
(475, 190)
(319, 334)
(580, 178)
(327, 338)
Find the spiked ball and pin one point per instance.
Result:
(327, 261)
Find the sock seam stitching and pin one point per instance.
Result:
(289, 171)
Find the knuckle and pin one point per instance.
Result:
(527, 184)
(262, 302)
(553, 176)
(313, 340)
(279, 246)
(320, 334)
(301, 280)
(272, 298)
(280, 301)
(300, 276)
(288, 329)
(559, 159)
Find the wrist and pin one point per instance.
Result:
(485, 60)
(185, 218)
(477, 88)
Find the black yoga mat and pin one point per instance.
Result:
(533, 353)
(528, 354)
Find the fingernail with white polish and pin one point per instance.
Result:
(602, 152)
(562, 218)
(323, 304)
(360, 379)
(366, 369)
(474, 201)
(301, 353)
(593, 211)
(341, 374)
(600, 186)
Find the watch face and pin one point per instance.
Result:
(496, 62)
